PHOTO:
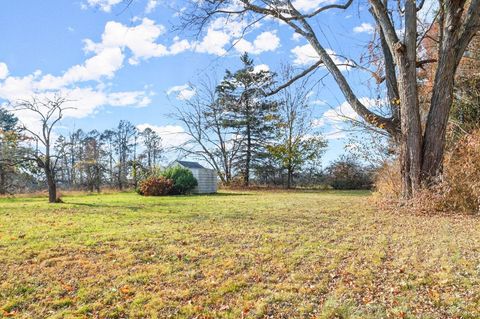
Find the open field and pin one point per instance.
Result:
(234, 255)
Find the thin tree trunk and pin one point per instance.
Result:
(246, 178)
(289, 176)
(3, 181)
(52, 186)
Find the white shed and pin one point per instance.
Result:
(206, 178)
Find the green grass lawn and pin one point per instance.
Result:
(234, 255)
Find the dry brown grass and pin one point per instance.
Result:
(233, 255)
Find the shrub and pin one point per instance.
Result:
(347, 173)
(183, 179)
(460, 185)
(388, 181)
(155, 186)
(457, 190)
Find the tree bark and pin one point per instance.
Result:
(52, 186)
(411, 158)
(3, 180)
(289, 176)
(442, 98)
(246, 177)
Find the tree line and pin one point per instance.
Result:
(115, 158)
(232, 125)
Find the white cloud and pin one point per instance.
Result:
(342, 113)
(172, 135)
(182, 92)
(75, 84)
(266, 41)
(364, 28)
(296, 37)
(104, 5)
(306, 55)
(3, 70)
(130, 98)
(261, 67)
(213, 43)
(223, 31)
(104, 64)
(81, 102)
(179, 46)
(151, 5)
(319, 102)
(84, 101)
(139, 39)
(310, 5)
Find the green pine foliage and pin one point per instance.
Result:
(248, 112)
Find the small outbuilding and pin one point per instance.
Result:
(206, 178)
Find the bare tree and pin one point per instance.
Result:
(421, 148)
(209, 138)
(296, 142)
(153, 148)
(49, 111)
(125, 143)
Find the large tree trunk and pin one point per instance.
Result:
(442, 99)
(411, 138)
(435, 133)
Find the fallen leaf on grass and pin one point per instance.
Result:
(68, 287)
(125, 289)
(9, 313)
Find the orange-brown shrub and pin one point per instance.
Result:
(457, 190)
(460, 185)
(155, 186)
(388, 181)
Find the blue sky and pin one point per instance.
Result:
(116, 63)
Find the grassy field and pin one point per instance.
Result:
(234, 255)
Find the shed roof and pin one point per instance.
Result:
(190, 164)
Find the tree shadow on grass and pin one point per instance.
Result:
(101, 205)
(143, 205)
(214, 195)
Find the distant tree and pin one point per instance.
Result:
(124, 141)
(296, 142)
(247, 110)
(153, 148)
(348, 173)
(63, 169)
(91, 164)
(9, 149)
(209, 137)
(49, 112)
(107, 139)
(75, 152)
